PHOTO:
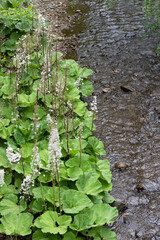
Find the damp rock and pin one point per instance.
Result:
(148, 53)
(106, 90)
(121, 166)
(140, 187)
(151, 186)
(51, 6)
(121, 206)
(127, 89)
(133, 201)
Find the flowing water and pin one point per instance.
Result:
(126, 80)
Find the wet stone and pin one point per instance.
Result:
(133, 201)
(127, 89)
(121, 166)
(121, 206)
(106, 90)
(140, 188)
(151, 186)
(51, 6)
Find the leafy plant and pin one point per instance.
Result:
(151, 11)
(52, 174)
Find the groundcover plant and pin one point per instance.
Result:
(54, 180)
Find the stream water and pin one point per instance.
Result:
(126, 82)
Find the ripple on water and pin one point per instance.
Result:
(111, 42)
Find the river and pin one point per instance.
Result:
(112, 42)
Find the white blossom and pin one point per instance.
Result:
(49, 119)
(12, 157)
(1, 177)
(78, 82)
(36, 161)
(70, 104)
(94, 104)
(80, 129)
(54, 148)
(26, 185)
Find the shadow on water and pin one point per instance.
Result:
(127, 84)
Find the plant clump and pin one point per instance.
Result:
(54, 181)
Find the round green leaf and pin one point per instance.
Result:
(49, 222)
(74, 172)
(9, 205)
(88, 183)
(14, 224)
(104, 168)
(74, 201)
(3, 158)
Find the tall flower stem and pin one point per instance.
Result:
(53, 187)
(59, 189)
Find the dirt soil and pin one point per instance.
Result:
(55, 13)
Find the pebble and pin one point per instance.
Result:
(121, 166)
(106, 90)
(127, 89)
(51, 6)
(140, 187)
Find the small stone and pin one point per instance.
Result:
(106, 90)
(140, 187)
(51, 6)
(78, 11)
(121, 166)
(127, 89)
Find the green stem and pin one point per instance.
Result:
(80, 143)
(59, 190)
(43, 196)
(53, 187)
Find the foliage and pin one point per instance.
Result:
(55, 183)
(15, 21)
(151, 10)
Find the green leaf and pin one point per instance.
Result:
(38, 191)
(98, 215)
(103, 213)
(27, 150)
(104, 168)
(37, 205)
(79, 107)
(5, 190)
(82, 221)
(108, 198)
(88, 183)
(16, 3)
(27, 166)
(49, 222)
(97, 145)
(38, 235)
(69, 236)
(105, 185)
(44, 155)
(9, 205)
(75, 162)
(74, 145)
(20, 140)
(14, 224)
(27, 100)
(3, 158)
(86, 88)
(86, 72)
(74, 172)
(100, 232)
(47, 194)
(74, 201)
